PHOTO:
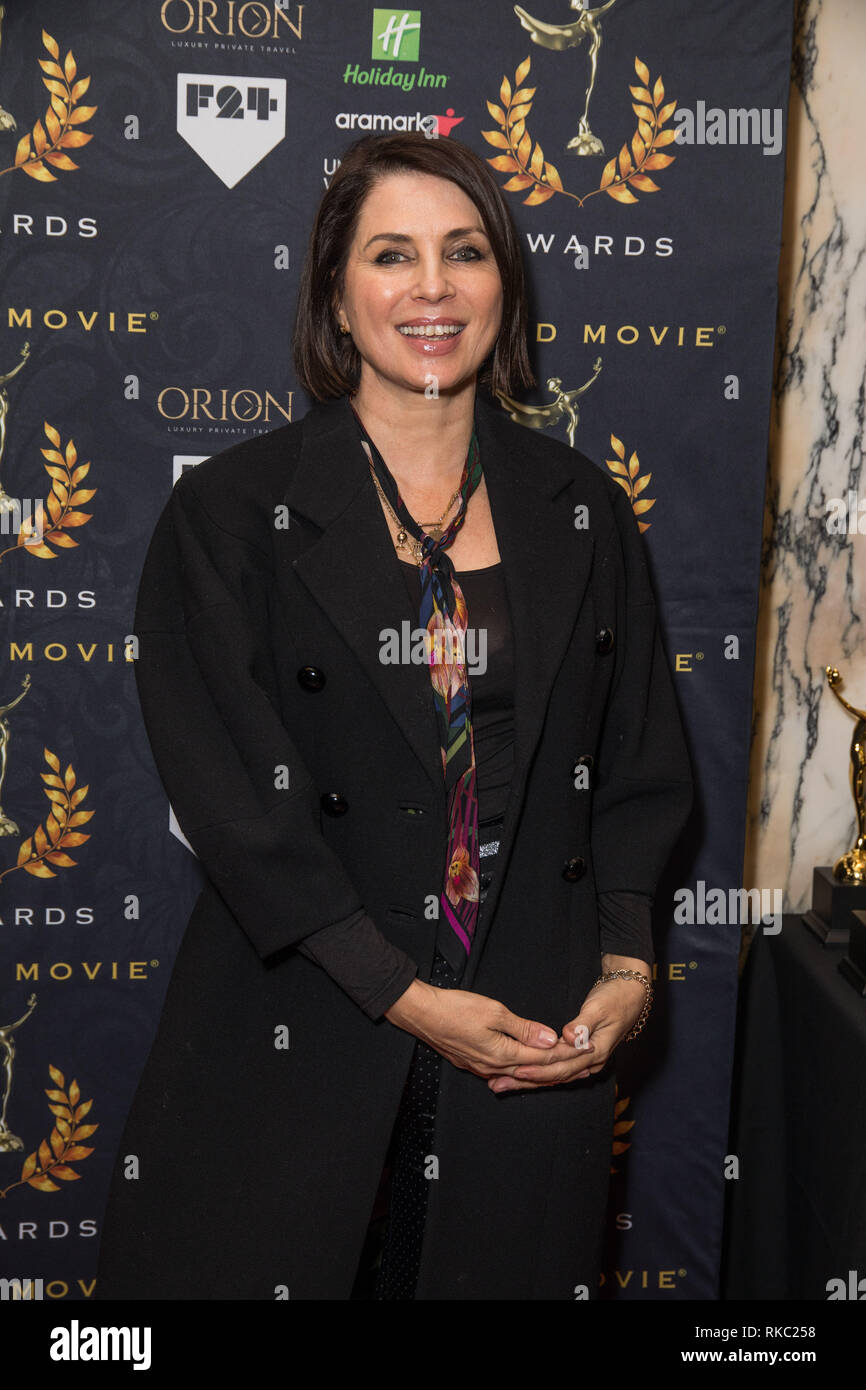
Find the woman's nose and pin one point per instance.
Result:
(432, 280)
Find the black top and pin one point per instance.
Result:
(367, 966)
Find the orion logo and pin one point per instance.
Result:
(231, 122)
(397, 34)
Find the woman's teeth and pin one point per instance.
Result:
(431, 330)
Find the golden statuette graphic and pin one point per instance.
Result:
(6, 502)
(7, 826)
(10, 1143)
(561, 36)
(851, 868)
(562, 407)
(7, 120)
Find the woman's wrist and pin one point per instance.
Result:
(412, 1005)
(629, 972)
(611, 962)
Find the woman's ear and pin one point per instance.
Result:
(337, 310)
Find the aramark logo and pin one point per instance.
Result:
(378, 120)
(231, 122)
(76, 1343)
(736, 126)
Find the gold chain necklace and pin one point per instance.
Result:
(404, 540)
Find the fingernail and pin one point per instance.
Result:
(546, 1036)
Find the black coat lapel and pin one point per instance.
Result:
(353, 572)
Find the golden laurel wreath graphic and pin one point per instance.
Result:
(65, 496)
(45, 144)
(52, 1158)
(49, 843)
(626, 474)
(619, 1146)
(621, 175)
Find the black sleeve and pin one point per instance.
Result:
(643, 790)
(209, 698)
(625, 925)
(372, 971)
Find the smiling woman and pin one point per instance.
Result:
(416, 869)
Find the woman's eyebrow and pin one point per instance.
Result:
(407, 240)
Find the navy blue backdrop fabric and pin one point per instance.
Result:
(160, 164)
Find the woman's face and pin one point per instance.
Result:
(422, 293)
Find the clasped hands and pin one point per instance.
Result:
(511, 1053)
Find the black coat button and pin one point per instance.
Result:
(334, 804)
(604, 641)
(311, 678)
(585, 760)
(573, 869)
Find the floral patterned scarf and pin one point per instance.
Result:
(443, 616)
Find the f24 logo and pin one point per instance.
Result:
(231, 122)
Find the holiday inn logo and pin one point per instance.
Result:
(396, 35)
(397, 39)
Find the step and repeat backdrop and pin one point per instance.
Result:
(160, 164)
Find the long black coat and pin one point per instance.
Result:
(259, 1165)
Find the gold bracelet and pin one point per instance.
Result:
(648, 991)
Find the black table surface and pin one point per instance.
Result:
(796, 1215)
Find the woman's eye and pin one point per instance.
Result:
(462, 253)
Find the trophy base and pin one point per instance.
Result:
(10, 1143)
(853, 965)
(585, 143)
(7, 826)
(7, 120)
(832, 904)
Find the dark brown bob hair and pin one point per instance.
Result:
(327, 363)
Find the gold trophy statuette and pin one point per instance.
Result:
(7, 826)
(6, 502)
(563, 407)
(851, 868)
(7, 120)
(9, 1142)
(561, 36)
